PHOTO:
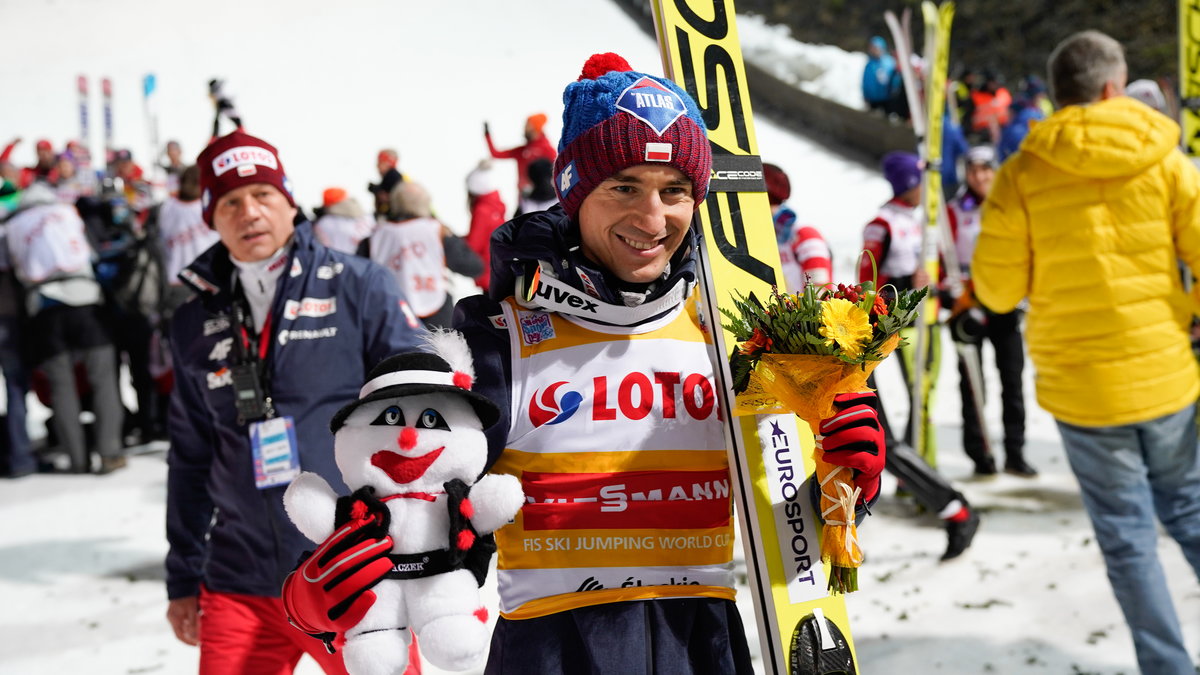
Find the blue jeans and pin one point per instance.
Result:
(16, 382)
(1128, 476)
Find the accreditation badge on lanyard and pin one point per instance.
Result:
(272, 439)
(276, 460)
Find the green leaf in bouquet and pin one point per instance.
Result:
(741, 367)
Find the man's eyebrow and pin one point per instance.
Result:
(630, 178)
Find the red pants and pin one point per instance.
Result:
(250, 634)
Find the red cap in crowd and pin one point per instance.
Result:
(332, 196)
(779, 188)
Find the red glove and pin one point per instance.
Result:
(853, 438)
(330, 591)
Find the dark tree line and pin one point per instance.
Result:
(1013, 37)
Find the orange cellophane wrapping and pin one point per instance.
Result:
(806, 384)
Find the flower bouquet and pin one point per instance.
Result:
(796, 353)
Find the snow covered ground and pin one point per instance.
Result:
(81, 557)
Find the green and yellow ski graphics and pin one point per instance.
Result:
(770, 455)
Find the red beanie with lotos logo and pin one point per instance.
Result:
(238, 159)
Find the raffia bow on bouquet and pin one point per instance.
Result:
(796, 354)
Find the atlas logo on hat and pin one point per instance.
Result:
(651, 103)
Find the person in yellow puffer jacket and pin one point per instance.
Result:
(1088, 221)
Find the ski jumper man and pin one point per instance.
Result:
(1088, 221)
(536, 147)
(973, 325)
(893, 238)
(593, 342)
(281, 333)
(803, 254)
(594, 347)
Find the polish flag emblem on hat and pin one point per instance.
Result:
(658, 152)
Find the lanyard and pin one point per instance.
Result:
(264, 339)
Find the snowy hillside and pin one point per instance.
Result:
(329, 85)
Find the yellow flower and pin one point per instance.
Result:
(846, 324)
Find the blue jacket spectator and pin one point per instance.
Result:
(954, 145)
(877, 76)
(1017, 129)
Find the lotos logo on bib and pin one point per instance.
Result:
(652, 103)
(547, 409)
(244, 156)
(635, 396)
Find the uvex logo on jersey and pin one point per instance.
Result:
(631, 397)
(244, 158)
(627, 499)
(557, 295)
(652, 103)
(312, 307)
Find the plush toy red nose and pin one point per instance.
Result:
(408, 438)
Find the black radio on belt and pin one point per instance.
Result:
(248, 393)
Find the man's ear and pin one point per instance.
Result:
(1112, 89)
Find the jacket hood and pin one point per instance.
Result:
(1108, 139)
(549, 241)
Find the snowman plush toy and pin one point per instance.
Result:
(409, 548)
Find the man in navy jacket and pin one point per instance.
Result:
(279, 336)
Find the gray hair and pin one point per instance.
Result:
(410, 200)
(1080, 66)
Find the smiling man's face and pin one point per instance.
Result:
(254, 221)
(635, 220)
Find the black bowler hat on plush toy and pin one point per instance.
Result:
(414, 374)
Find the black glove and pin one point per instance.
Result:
(968, 327)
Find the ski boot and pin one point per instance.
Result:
(960, 533)
(820, 648)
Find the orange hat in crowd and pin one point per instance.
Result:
(332, 196)
(536, 121)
